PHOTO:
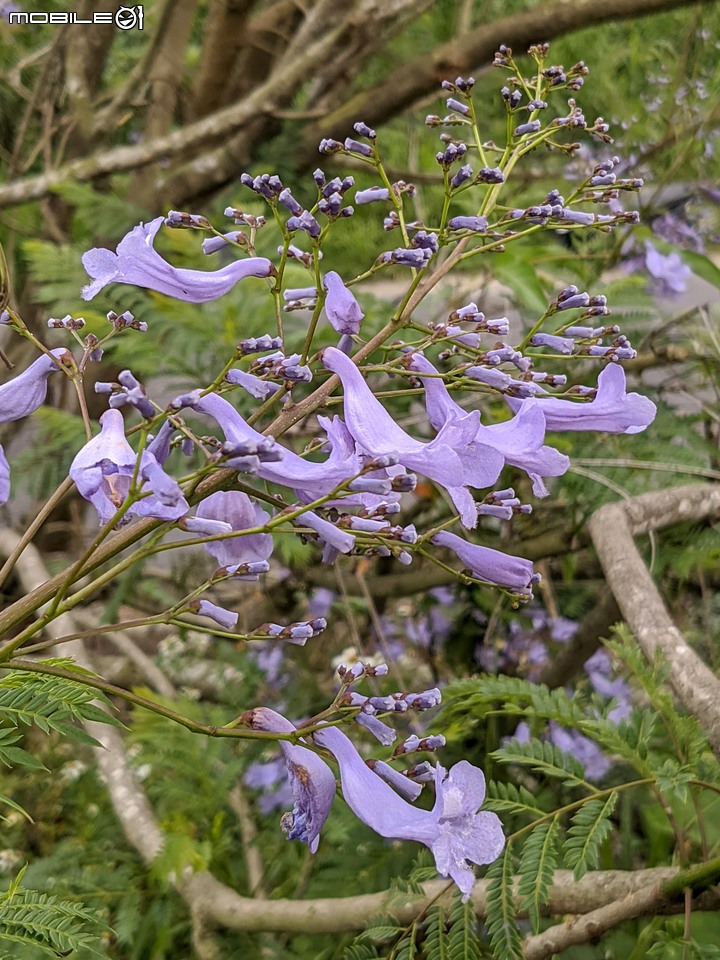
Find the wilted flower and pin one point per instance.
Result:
(312, 781)
(137, 262)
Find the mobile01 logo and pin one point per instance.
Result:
(124, 18)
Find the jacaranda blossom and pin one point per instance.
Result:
(22, 396)
(236, 509)
(490, 565)
(312, 781)
(137, 262)
(342, 309)
(612, 410)
(377, 434)
(455, 832)
(518, 441)
(103, 471)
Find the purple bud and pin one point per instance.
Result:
(577, 300)
(457, 107)
(371, 195)
(226, 618)
(404, 786)
(476, 224)
(532, 126)
(363, 130)
(560, 344)
(289, 202)
(356, 147)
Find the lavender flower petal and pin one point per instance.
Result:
(236, 509)
(136, 262)
(342, 309)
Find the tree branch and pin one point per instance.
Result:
(612, 529)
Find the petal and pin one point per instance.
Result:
(26, 392)
(240, 512)
(461, 793)
(4, 478)
(371, 799)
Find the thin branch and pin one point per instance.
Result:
(612, 529)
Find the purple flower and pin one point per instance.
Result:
(22, 396)
(255, 386)
(221, 615)
(308, 479)
(312, 781)
(519, 440)
(342, 309)
(371, 195)
(670, 275)
(137, 262)
(612, 410)
(27, 391)
(453, 830)
(103, 472)
(236, 509)
(377, 433)
(593, 760)
(490, 565)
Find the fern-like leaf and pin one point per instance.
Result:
(543, 757)
(437, 944)
(589, 828)
(502, 925)
(537, 865)
(51, 925)
(509, 799)
(463, 943)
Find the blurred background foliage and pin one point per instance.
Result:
(65, 95)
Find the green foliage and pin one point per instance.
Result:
(501, 913)
(589, 828)
(52, 926)
(543, 757)
(537, 864)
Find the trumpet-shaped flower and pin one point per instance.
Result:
(138, 263)
(612, 411)
(490, 565)
(22, 396)
(103, 472)
(450, 459)
(26, 392)
(518, 441)
(453, 830)
(312, 781)
(241, 513)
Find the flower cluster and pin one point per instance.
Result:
(362, 466)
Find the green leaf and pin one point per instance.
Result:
(589, 828)
(501, 922)
(436, 937)
(463, 943)
(537, 865)
(507, 798)
(543, 757)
